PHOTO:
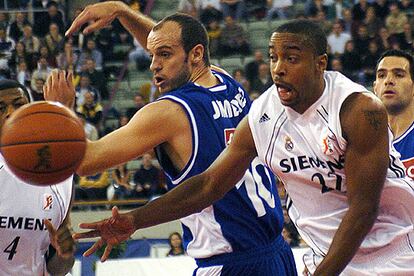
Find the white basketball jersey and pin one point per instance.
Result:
(24, 238)
(306, 151)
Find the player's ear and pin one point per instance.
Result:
(322, 62)
(197, 54)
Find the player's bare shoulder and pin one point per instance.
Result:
(361, 112)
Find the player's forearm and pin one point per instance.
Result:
(137, 24)
(190, 197)
(355, 225)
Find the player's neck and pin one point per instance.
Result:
(401, 122)
(204, 77)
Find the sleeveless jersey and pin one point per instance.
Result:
(24, 237)
(306, 151)
(405, 146)
(250, 214)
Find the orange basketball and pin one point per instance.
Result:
(43, 143)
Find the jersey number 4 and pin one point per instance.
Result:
(11, 248)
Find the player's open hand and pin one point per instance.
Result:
(111, 231)
(98, 16)
(61, 239)
(59, 88)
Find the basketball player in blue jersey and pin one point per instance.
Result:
(29, 242)
(394, 85)
(189, 126)
(327, 138)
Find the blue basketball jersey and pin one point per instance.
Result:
(250, 214)
(405, 146)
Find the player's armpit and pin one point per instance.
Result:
(364, 125)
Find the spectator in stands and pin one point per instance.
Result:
(140, 56)
(146, 178)
(84, 87)
(214, 36)
(51, 59)
(234, 39)
(338, 38)
(347, 23)
(53, 38)
(238, 75)
(369, 63)
(351, 61)
(407, 6)
(396, 20)
(91, 109)
(23, 75)
(381, 8)
(4, 22)
(31, 42)
(189, 7)
(361, 41)
(359, 10)
(281, 8)
(78, 37)
(234, 8)
(37, 92)
(6, 48)
(385, 40)
(314, 6)
(97, 78)
(139, 103)
(16, 28)
(336, 65)
(18, 55)
(407, 38)
(43, 21)
(263, 80)
(373, 23)
(121, 176)
(176, 244)
(67, 57)
(90, 52)
(252, 68)
(336, 12)
(209, 10)
(93, 187)
(42, 72)
(323, 21)
(90, 130)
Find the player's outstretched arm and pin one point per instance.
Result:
(99, 15)
(364, 124)
(193, 195)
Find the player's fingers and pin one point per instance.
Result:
(98, 24)
(93, 248)
(115, 212)
(81, 19)
(106, 253)
(92, 225)
(85, 235)
(49, 227)
(69, 79)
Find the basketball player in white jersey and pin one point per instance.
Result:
(29, 215)
(327, 138)
(394, 85)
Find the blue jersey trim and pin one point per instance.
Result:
(184, 172)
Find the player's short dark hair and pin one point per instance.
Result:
(9, 84)
(398, 53)
(309, 31)
(192, 33)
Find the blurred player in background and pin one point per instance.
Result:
(189, 126)
(394, 85)
(29, 215)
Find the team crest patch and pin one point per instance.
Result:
(47, 202)
(288, 143)
(327, 145)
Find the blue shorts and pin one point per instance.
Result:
(271, 260)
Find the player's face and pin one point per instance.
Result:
(10, 100)
(170, 65)
(295, 70)
(393, 84)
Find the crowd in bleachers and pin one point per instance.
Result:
(32, 43)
